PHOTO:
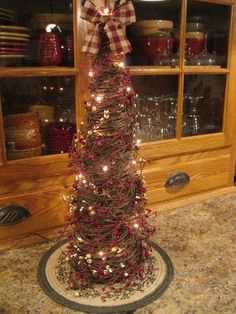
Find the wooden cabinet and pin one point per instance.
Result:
(182, 72)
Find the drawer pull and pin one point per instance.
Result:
(177, 180)
(13, 214)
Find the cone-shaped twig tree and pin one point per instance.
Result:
(107, 229)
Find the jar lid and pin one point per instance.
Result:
(195, 35)
(151, 31)
(191, 27)
(154, 23)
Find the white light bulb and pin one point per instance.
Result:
(101, 253)
(105, 168)
(106, 11)
(91, 74)
(136, 225)
(139, 141)
(134, 162)
(50, 27)
(128, 89)
(99, 98)
(121, 64)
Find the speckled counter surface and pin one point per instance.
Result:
(200, 240)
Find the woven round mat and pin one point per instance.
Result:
(57, 290)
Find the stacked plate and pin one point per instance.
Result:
(14, 41)
(7, 17)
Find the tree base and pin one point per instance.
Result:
(53, 270)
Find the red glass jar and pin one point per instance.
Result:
(153, 47)
(49, 49)
(153, 40)
(59, 137)
(195, 42)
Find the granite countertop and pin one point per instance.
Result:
(200, 240)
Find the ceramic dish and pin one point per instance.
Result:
(7, 38)
(14, 34)
(12, 153)
(12, 44)
(6, 18)
(13, 28)
(7, 11)
(12, 56)
(7, 15)
(17, 50)
(6, 21)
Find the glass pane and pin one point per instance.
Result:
(36, 33)
(207, 32)
(156, 107)
(154, 36)
(38, 114)
(203, 104)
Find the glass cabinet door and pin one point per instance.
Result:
(155, 35)
(38, 115)
(156, 106)
(36, 33)
(203, 105)
(207, 34)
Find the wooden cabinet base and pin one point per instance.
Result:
(53, 233)
(206, 171)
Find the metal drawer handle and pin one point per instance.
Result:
(177, 180)
(12, 215)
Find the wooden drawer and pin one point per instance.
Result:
(207, 171)
(29, 175)
(47, 211)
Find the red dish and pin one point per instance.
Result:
(20, 53)
(6, 49)
(13, 43)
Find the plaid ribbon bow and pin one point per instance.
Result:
(113, 19)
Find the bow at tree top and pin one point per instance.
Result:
(112, 18)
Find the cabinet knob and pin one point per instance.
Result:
(12, 215)
(177, 180)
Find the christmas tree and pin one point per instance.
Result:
(107, 229)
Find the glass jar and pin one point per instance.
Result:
(153, 40)
(195, 42)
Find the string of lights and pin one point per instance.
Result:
(107, 229)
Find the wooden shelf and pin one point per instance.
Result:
(37, 71)
(40, 160)
(153, 70)
(205, 70)
(224, 2)
(167, 70)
